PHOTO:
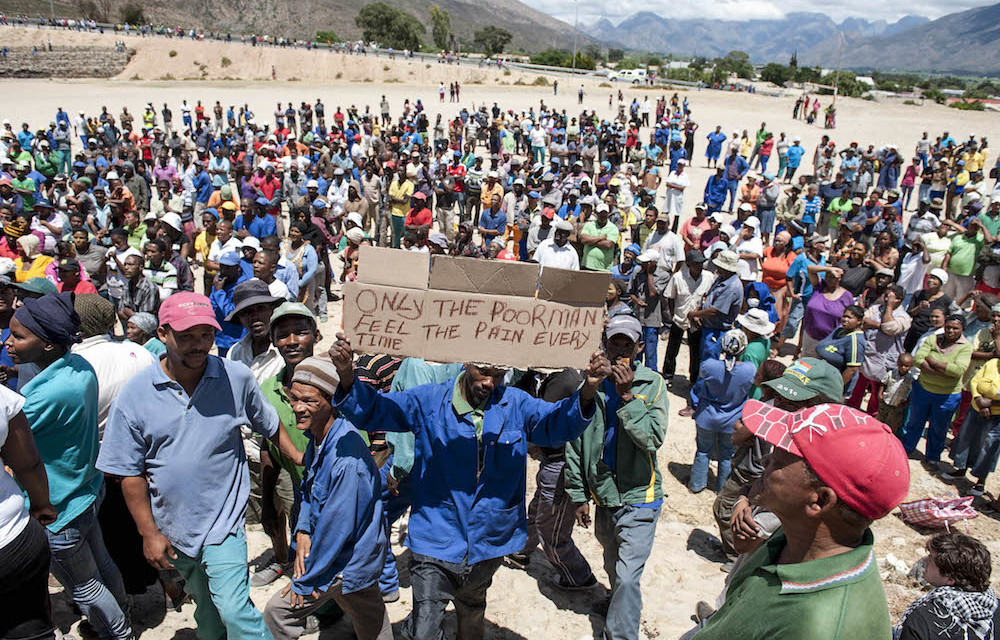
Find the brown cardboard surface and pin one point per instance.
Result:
(566, 285)
(393, 267)
(447, 325)
(499, 277)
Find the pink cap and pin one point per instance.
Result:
(852, 453)
(184, 310)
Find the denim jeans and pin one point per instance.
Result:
(650, 339)
(82, 565)
(706, 443)
(732, 186)
(626, 534)
(977, 446)
(937, 408)
(218, 579)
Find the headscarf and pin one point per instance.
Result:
(967, 614)
(734, 343)
(97, 315)
(52, 318)
(766, 299)
(29, 244)
(145, 322)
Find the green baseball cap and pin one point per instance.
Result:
(40, 286)
(286, 309)
(807, 378)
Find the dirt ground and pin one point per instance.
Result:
(684, 565)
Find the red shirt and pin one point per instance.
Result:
(417, 218)
(458, 173)
(83, 286)
(199, 112)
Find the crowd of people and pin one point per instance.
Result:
(215, 241)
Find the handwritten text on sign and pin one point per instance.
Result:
(449, 326)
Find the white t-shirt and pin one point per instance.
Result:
(755, 246)
(13, 515)
(115, 363)
(687, 292)
(549, 254)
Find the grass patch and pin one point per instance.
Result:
(427, 66)
(392, 80)
(173, 53)
(167, 77)
(975, 105)
(605, 85)
(225, 62)
(912, 103)
(506, 72)
(295, 79)
(196, 63)
(367, 80)
(135, 77)
(338, 76)
(385, 67)
(540, 81)
(520, 82)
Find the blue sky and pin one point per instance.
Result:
(891, 10)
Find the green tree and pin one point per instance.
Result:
(132, 13)
(654, 61)
(492, 39)
(776, 73)
(794, 60)
(847, 84)
(614, 55)
(737, 62)
(440, 26)
(328, 37)
(389, 26)
(593, 51)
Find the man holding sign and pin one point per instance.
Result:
(468, 498)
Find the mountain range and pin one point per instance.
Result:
(774, 40)
(966, 42)
(531, 29)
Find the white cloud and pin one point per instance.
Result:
(890, 10)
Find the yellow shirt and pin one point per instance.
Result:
(36, 270)
(973, 161)
(987, 383)
(402, 190)
(202, 245)
(486, 196)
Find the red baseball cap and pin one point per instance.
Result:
(852, 453)
(184, 310)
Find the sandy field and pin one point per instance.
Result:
(684, 565)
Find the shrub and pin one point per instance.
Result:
(975, 105)
(385, 67)
(338, 76)
(172, 54)
(226, 62)
(541, 81)
(911, 102)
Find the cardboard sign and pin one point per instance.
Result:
(445, 309)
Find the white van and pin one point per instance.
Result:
(634, 76)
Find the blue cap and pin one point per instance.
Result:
(634, 248)
(456, 153)
(43, 202)
(534, 194)
(769, 176)
(262, 201)
(212, 211)
(229, 259)
(319, 204)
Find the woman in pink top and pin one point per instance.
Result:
(692, 228)
(909, 180)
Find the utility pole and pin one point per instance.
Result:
(576, 29)
(836, 75)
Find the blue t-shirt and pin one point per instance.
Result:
(794, 156)
(798, 271)
(61, 408)
(189, 447)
